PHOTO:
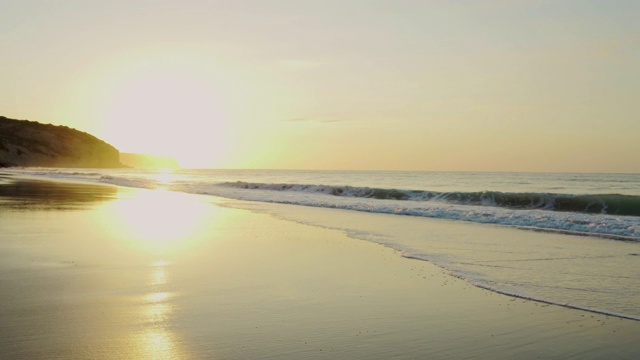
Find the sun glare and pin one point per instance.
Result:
(165, 177)
(159, 222)
(166, 109)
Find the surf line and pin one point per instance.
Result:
(523, 297)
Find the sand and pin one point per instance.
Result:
(101, 272)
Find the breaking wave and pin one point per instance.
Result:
(611, 204)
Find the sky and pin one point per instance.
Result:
(495, 85)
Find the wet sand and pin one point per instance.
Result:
(101, 272)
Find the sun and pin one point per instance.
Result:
(170, 111)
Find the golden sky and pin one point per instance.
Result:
(474, 85)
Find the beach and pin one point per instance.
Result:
(106, 272)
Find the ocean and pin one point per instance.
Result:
(557, 238)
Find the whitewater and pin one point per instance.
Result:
(566, 239)
(604, 205)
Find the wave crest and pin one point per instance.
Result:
(611, 204)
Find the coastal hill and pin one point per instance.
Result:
(29, 143)
(146, 161)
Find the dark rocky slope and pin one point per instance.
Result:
(29, 143)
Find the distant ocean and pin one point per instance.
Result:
(603, 209)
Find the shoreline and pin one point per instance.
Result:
(191, 279)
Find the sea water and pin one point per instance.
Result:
(568, 239)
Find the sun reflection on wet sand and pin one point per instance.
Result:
(156, 297)
(159, 274)
(159, 344)
(161, 229)
(157, 312)
(157, 222)
(158, 341)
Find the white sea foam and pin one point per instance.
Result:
(453, 205)
(614, 227)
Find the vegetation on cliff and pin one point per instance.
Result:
(29, 143)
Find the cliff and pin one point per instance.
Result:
(146, 161)
(29, 143)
